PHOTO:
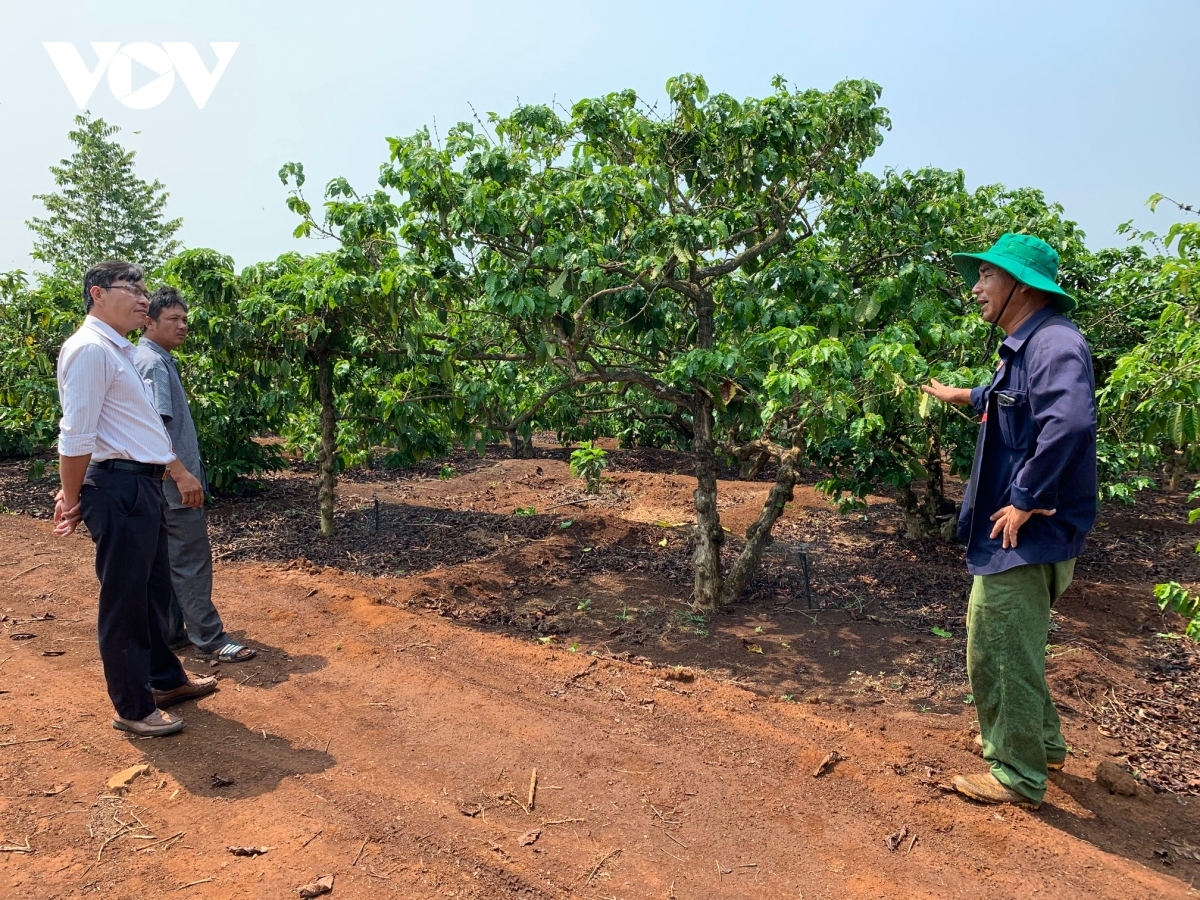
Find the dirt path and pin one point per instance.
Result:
(393, 747)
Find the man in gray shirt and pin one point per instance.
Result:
(192, 615)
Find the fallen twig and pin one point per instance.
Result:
(16, 848)
(510, 797)
(671, 836)
(357, 855)
(176, 835)
(572, 503)
(596, 868)
(112, 837)
(532, 789)
(193, 884)
(911, 844)
(31, 741)
(562, 821)
(663, 818)
(311, 839)
(25, 572)
(895, 840)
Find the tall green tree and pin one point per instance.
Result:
(102, 209)
(598, 254)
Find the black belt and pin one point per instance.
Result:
(128, 465)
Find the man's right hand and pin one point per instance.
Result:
(190, 488)
(947, 394)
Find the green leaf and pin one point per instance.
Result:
(868, 308)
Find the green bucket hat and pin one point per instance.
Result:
(1026, 258)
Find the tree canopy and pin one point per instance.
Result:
(102, 209)
(720, 275)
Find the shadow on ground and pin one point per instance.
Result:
(220, 749)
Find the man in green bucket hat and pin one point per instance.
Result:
(1029, 505)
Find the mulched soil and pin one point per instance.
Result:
(1159, 725)
(859, 569)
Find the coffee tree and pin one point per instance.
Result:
(600, 252)
(237, 391)
(1154, 390)
(348, 328)
(1152, 397)
(34, 321)
(877, 308)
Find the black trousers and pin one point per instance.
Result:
(126, 517)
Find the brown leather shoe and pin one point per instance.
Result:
(986, 789)
(156, 724)
(189, 690)
(1054, 765)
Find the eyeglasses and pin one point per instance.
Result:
(131, 288)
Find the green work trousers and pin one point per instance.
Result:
(1008, 621)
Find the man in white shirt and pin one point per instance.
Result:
(113, 451)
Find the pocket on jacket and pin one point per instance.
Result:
(1015, 419)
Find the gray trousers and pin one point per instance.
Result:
(191, 616)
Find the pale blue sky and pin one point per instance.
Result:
(1096, 103)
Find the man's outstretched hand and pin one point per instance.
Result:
(947, 394)
(1010, 519)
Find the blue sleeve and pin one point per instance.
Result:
(977, 400)
(1062, 400)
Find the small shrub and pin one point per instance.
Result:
(1174, 596)
(587, 463)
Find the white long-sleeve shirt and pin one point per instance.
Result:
(108, 410)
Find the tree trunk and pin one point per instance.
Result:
(924, 516)
(935, 486)
(916, 525)
(758, 536)
(327, 455)
(1174, 467)
(751, 467)
(706, 561)
(521, 448)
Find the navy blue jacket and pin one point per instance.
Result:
(1036, 447)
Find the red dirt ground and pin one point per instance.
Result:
(388, 731)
